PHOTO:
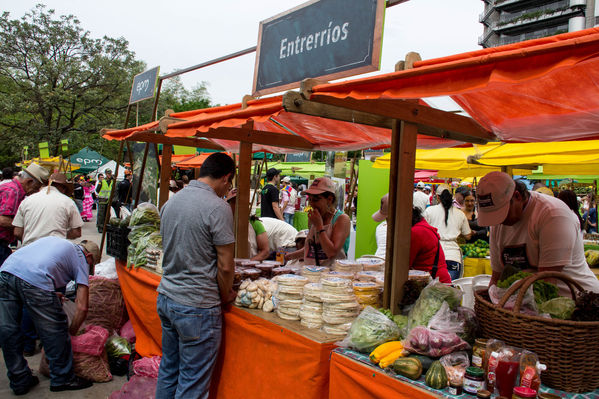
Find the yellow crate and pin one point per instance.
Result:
(486, 265)
(473, 267)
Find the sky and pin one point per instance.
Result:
(180, 33)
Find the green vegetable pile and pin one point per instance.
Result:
(543, 290)
(400, 320)
(370, 329)
(430, 301)
(558, 308)
(145, 233)
(477, 249)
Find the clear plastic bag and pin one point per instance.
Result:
(446, 321)
(424, 341)
(430, 301)
(529, 306)
(370, 329)
(455, 365)
(145, 213)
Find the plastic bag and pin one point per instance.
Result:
(528, 306)
(471, 325)
(147, 366)
(558, 308)
(433, 343)
(455, 365)
(430, 301)
(128, 332)
(117, 346)
(145, 213)
(446, 321)
(91, 342)
(106, 269)
(137, 387)
(370, 329)
(70, 308)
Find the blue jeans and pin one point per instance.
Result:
(45, 310)
(190, 341)
(454, 268)
(288, 218)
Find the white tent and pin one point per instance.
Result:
(112, 166)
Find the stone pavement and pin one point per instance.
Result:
(42, 391)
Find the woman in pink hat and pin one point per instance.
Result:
(328, 237)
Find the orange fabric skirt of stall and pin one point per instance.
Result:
(139, 291)
(350, 379)
(260, 359)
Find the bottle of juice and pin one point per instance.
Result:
(507, 371)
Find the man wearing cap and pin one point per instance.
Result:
(531, 232)
(289, 197)
(421, 200)
(50, 212)
(32, 278)
(124, 190)
(27, 182)
(269, 199)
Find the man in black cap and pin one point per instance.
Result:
(269, 200)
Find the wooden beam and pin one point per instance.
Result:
(185, 141)
(165, 173)
(243, 199)
(457, 127)
(295, 102)
(258, 137)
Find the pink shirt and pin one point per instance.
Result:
(11, 195)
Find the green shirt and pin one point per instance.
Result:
(258, 227)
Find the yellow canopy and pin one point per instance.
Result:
(563, 158)
(51, 163)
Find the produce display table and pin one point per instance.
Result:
(353, 375)
(262, 356)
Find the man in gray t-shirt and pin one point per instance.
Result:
(198, 268)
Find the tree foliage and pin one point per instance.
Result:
(57, 82)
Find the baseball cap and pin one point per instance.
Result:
(93, 249)
(38, 173)
(420, 184)
(427, 187)
(286, 179)
(383, 211)
(321, 185)
(272, 172)
(441, 188)
(493, 197)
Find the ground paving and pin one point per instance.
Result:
(42, 391)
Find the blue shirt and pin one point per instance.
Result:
(49, 264)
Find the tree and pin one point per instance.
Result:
(57, 82)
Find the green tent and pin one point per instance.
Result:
(89, 160)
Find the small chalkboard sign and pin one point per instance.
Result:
(299, 157)
(144, 85)
(326, 39)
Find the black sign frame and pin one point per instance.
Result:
(356, 25)
(144, 85)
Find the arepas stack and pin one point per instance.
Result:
(340, 306)
(289, 295)
(311, 308)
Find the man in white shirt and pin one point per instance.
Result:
(531, 232)
(421, 200)
(280, 234)
(50, 212)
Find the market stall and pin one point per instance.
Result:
(259, 122)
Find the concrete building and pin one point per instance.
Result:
(511, 21)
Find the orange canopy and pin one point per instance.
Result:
(539, 90)
(194, 162)
(268, 115)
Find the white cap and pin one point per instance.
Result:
(286, 179)
(420, 184)
(441, 188)
(493, 195)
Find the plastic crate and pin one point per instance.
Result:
(117, 241)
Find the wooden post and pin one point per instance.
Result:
(165, 173)
(243, 198)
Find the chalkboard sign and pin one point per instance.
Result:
(299, 157)
(144, 85)
(326, 39)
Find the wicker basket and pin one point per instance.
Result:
(117, 241)
(570, 349)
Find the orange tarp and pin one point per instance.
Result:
(268, 115)
(258, 358)
(350, 379)
(139, 291)
(539, 90)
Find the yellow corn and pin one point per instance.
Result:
(385, 349)
(390, 358)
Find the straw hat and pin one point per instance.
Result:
(37, 173)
